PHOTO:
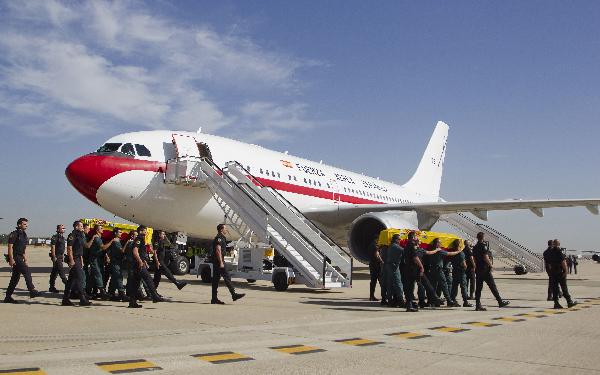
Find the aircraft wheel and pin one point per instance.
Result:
(280, 281)
(181, 266)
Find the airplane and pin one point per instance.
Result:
(125, 176)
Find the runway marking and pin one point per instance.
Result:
(510, 319)
(408, 335)
(222, 357)
(359, 342)
(128, 366)
(483, 324)
(530, 315)
(24, 371)
(553, 312)
(297, 349)
(449, 329)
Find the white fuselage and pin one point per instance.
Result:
(139, 193)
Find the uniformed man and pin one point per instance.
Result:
(437, 274)
(545, 255)
(415, 270)
(129, 262)
(97, 253)
(17, 259)
(375, 264)
(483, 269)
(557, 268)
(569, 261)
(425, 291)
(459, 276)
(161, 246)
(218, 265)
(393, 258)
(383, 277)
(470, 273)
(57, 253)
(140, 270)
(575, 263)
(75, 245)
(116, 254)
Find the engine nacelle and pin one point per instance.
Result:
(365, 229)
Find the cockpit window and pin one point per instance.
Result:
(127, 149)
(142, 150)
(109, 147)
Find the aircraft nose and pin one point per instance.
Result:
(81, 174)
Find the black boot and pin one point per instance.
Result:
(479, 307)
(410, 307)
(10, 300)
(134, 305)
(34, 293)
(123, 297)
(53, 290)
(571, 303)
(237, 296)
(503, 303)
(216, 302)
(181, 285)
(66, 302)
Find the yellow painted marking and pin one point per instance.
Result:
(222, 357)
(509, 319)
(409, 335)
(529, 315)
(483, 324)
(24, 371)
(297, 349)
(359, 342)
(135, 365)
(555, 312)
(449, 329)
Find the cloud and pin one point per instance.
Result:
(119, 64)
(274, 121)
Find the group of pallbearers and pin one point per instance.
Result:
(434, 271)
(94, 264)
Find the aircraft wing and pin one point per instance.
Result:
(477, 208)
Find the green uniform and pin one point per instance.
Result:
(97, 263)
(393, 257)
(115, 252)
(459, 277)
(436, 273)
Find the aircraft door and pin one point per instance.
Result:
(335, 195)
(186, 146)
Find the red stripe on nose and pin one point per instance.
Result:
(89, 172)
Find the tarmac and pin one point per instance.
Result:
(300, 331)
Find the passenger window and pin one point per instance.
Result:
(142, 150)
(109, 147)
(127, 149)
(261, 171)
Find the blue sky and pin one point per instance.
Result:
(355, 85)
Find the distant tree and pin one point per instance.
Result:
(3, 239)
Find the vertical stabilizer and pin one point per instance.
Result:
(428, 177)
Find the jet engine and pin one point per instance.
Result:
(365, 229)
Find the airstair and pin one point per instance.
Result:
(511, 252)
(260, 212)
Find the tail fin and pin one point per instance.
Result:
(428, 177)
